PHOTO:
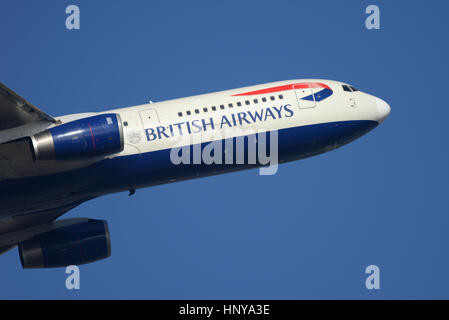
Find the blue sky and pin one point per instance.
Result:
(307, 232)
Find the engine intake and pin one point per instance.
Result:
(83, 241)
(100, 135)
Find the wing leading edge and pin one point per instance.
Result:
(15, 111)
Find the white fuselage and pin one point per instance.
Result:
(309, 116)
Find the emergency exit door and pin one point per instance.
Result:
(304, 95)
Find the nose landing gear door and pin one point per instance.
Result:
(304, 95)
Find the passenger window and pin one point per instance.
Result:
(281, 96)
(179, 114)
(197, 111)
(256, 101)
(188, 113)
(247, 102)
(205, 109)
(272, 98)
(221, 107)
(214, 108)
(230, 105)
(239, 104)
(264, 99)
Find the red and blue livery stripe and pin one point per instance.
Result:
(317, 96)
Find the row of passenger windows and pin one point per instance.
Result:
(230, 105)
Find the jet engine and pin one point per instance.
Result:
(95, 136)
(77, 242)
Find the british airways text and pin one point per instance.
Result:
(225, 122)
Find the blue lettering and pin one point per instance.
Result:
(161, 131)
(279, 111)
(150, 134)
(171, 130)
(198, 127)
(225, 120)
(288, 110)
(268, 112)
(256, 115)
(233, 119)
(211, 124)
(179, 127)
(242, 116)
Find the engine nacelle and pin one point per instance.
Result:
(83, 241)
(95, 136)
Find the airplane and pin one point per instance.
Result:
(49, 165)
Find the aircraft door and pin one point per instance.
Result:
(304, 95)
(149, 118)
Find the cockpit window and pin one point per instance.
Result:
(349, 88)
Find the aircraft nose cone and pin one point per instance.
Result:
(383, 109)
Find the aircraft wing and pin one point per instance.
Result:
(5, 249)
(22, 226)
(15, 111)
